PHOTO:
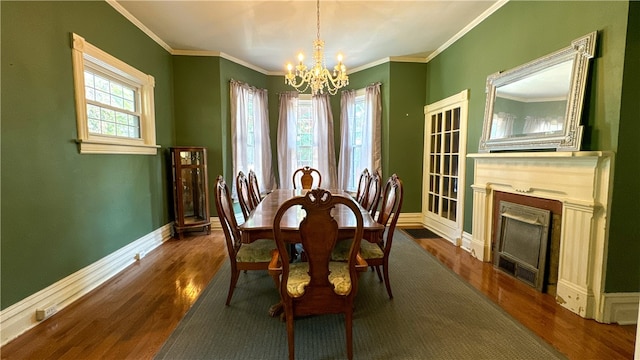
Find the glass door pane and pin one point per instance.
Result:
(443, 163)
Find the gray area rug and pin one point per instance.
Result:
(434, 315)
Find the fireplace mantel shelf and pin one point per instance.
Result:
(541, 154)
(581, 181)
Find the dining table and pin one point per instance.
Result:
(259, 224)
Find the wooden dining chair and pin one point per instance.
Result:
(377, 254)
(372, 196)
(307, 178)
(252, 256)
(254, 189)
(363, 184)
(317, 286)
(244, 195)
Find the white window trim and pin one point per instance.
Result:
(100, 144)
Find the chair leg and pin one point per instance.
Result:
(378, 271)
(385, 269)
(290, 335)
(232, 285)
(349, 331)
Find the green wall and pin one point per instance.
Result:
(521, 31)
(197, 111)
(62, 211)
(623, 267)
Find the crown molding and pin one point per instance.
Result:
(244, 63)
(467, 28)
(140, 25)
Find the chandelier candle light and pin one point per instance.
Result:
(318, 77)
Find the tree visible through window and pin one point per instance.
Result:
(111, 106)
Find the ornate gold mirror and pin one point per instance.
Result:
(538, 105)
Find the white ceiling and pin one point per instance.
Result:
(268, 34)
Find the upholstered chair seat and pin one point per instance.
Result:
(368, 250)
(299, 278)
(257, 251)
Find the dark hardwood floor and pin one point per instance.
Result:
(131, 316)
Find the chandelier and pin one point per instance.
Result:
(318, 77)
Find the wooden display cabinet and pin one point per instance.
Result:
(190, 189)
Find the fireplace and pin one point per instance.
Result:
(554, 208)
(578, 181)
(521, 241)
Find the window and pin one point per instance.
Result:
(305, 137)
(360, 147)
(114, 103)
(356, 141)
(251, 144)
(306, 154)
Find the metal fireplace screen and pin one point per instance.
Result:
(521, 242)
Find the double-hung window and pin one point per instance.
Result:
(251, 144)
(357, 142)
(306, 151)
(305, 137)
(114, 103)
(360, 117)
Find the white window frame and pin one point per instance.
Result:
(86, 55)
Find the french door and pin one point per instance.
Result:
(445, 142)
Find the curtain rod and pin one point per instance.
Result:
(245, 84)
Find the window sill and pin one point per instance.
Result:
(96, 147)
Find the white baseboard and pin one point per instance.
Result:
(409, 220)
(621, 308)
(466, 241)
(21, 316)
(215, 223)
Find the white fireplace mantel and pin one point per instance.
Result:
(582, 182)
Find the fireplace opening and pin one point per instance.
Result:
(523, 234)
(526, 239)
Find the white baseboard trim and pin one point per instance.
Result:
(409, 220)
(21, 316)
(621, 308)
(466, 241)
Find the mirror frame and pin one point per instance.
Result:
(581, 51)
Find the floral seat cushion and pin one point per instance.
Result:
(257, 251)
(368, 250)
(299, 278)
